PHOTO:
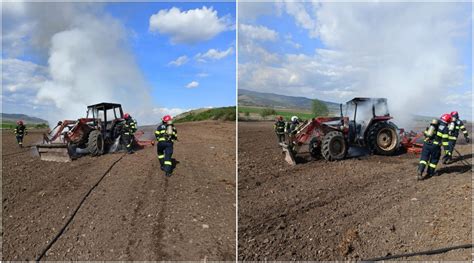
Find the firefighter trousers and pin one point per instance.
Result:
(281, 137)
(429, 157)
(165, 152)
(449, 151)
(19, 139)
(128, 141)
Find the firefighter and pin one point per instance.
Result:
(295, 121)
(455, 126)
(279, 128)
(166, 134)
(20, 132)
(436, 135)
(128, 130)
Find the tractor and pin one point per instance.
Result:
(365, 123)
(98, 133)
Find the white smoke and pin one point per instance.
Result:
(409, 53)
(88, 59)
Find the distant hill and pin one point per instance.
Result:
(271, 100)
(223, 114)
(13, 117)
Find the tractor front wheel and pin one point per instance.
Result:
(334, 146)
(95, 143)
(383, 139)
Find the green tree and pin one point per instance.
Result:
(267, 112)
(319, 108)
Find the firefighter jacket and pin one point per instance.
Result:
(458, 125)
(293, 127)
(437, 134)
(279, 127)
(20, 130)
(130, 126)
(166, 133)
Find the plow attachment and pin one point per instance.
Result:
(57, 152)
(144, 140)
(289, 155)
(412, 141)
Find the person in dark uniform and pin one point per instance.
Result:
(455, 127)
(20, 132)
(128, 131)
(166, 134)
(436, 135)
(279, 128)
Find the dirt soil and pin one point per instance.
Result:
(355, 209)
(135, 213)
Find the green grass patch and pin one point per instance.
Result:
(285, 113)
(222, 114)
(12, 125)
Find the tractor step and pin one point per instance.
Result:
(57, 152)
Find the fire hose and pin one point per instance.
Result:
(461, 157)
(15, 153)
(422, 253)
(61, 231)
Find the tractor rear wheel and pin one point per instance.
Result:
(382, 138)
(334, 146)
(95, 143)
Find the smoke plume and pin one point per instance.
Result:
(87, 57)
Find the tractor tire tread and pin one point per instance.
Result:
(325, 146)
(92, 147)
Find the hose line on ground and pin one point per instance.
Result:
(428, 252)
(50, 244)
(9, 154)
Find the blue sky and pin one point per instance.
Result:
(155, 51)
(418, 55)
(154, 58)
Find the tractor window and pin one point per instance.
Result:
(381, 108)
(117, 113)
(110, 115)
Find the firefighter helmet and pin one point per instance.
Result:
(167, 118)
(294, 118)
(446, 118)
(455, 114)
(20, 122)
(126, 116)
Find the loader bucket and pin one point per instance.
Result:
(289, 156)
(56, 152)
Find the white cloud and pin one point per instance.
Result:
(192, 84)
(88, 61)
(258, 33)
(189, 27)
(20, 76)
(214, 54)
(202, 75)
(179, 61)
(249, 11)
(302, 17)
(408, 55)
(160, 112)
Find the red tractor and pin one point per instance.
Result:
(366, 123)
(98, 133)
